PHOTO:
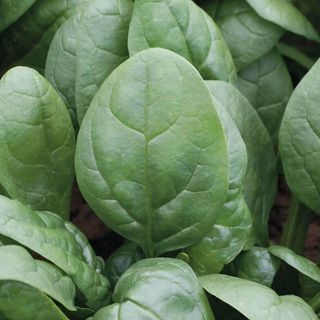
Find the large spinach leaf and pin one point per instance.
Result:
(27, 41)
(37, 142)
(259, 185)
(100, 51)
(286, 15)
(151, 157)
(256, 301)
(181, 26)
(11, 10)
(300, 140)
(59, 242)
(267, 85)
(232, 225)
(158, 289)
(248, 36)
(17, 265)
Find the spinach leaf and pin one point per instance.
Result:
(158, 289)
(20, 301)
(60, 69)
(302, 264)
(259, 185)
(151, 157)
(256, 301)
(267, 85)
(100, 50)
(19, 266)
(121, 259)
(59, 242)
(38, 143)
(300, 140)
(256, 264)
(232, 225)
(308, 287)
(248, 36)
(286, 15)
(11, 10)
(27, 41)
(184, 28)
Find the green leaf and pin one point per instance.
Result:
(18, 265)
(267, 85)
(232, 225)
(59, 242)
(248, 36)
(286, 15)
(100, 50)
(151, 157)
(308, 287)
(160, 288)
(299, 263)
(256, 301)
(60, 69)
(27, 41)
(121, 259)
(300, 140)
(11, 10)
(259, 185)
(256, 264)
(38, 143)
(185, 29)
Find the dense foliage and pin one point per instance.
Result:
(175, 119)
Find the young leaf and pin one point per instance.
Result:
(38, 143)
(300, 140)
(11, 10)
(256, 301)
(160, 288)
(286, 15)
(299, 263)
(59, 242)
(232, 225)
(248, 36)
(151, 157)
(267, 85)
(60, 68)
(184, 28)
(18, 265)
(20, 301)
(121, 259)
(259, 185)
(256, 264)
(27, 41)
(100, 50)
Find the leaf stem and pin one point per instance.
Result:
(315, 303)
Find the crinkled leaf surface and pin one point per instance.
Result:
(37, 142)
(267, 85)
(248, 36)
(101, 47)
(158, 289)
(184, 28)
(121, 259)
(300, 140)
(256, 264)
(259, 184)
(18, 265)
(256, 301)
(286, 15)
(59, 242)
(151, 156)
(232, 225)
(299, 263)
(60, 68)
(20, 301)
(27, 41)
(11, 10)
